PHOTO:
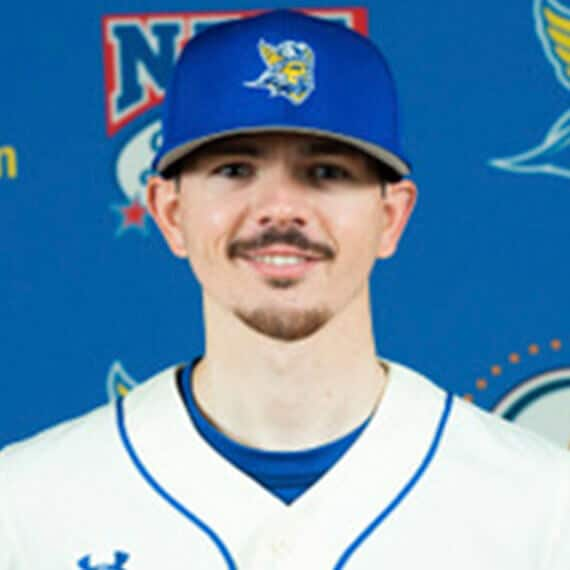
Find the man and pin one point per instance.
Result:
(289, 444)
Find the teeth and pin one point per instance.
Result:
(279, 259)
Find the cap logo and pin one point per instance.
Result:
(289, 70)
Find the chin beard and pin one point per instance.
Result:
(282, 325)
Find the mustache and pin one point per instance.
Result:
(291, 236)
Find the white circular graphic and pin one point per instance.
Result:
(541, 404)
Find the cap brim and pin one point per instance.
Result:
(389, 159)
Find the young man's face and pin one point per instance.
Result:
(281, 230)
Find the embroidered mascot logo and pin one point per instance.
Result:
(290, 70)
(120, 559)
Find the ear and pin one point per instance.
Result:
(399, 203)
(163, 201)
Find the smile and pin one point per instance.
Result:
(281, 265)
(279, 260)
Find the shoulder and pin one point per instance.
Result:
(494, 477)
(489, 458)
(72, 446)
(484, 432)
(47, 448)
(478, 432)
(513, 472)
(48, 482)
(502, 463)
(37, 474)
(524, 466)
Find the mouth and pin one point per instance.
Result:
(281, 263)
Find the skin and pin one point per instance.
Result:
(290, 361)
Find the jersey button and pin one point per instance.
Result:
(280, 548)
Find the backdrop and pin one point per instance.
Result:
(477, 296)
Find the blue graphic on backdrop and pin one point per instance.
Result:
(551, 156)
(290, 70)
(118, 564)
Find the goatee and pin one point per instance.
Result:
(285, 325)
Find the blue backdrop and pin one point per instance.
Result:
(477, 296)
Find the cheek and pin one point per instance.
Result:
(217, 219)
(205, 227)
(360, 227)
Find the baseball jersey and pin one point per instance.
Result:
(432, 481)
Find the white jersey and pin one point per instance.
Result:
(431, 482)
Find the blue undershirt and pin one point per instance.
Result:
(285, 474)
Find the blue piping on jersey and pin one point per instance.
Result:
(164, 494)
(405, 490)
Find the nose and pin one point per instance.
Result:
(282, 200)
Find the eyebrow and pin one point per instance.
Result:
(220, 149)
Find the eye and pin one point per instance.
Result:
(324, 172)
(234, 170)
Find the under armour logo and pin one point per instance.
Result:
(120, 559)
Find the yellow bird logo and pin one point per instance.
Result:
(553, 28)
(552, 155)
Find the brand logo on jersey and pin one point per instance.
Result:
(531, 387)
(140, 51)
(8, 162)
(120, 559)
(289, 70)
(551, 155)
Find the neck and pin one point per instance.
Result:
(287, 396)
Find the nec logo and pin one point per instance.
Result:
(140, 51)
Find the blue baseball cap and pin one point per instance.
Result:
(281, 71)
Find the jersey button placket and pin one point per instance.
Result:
(280, 549)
